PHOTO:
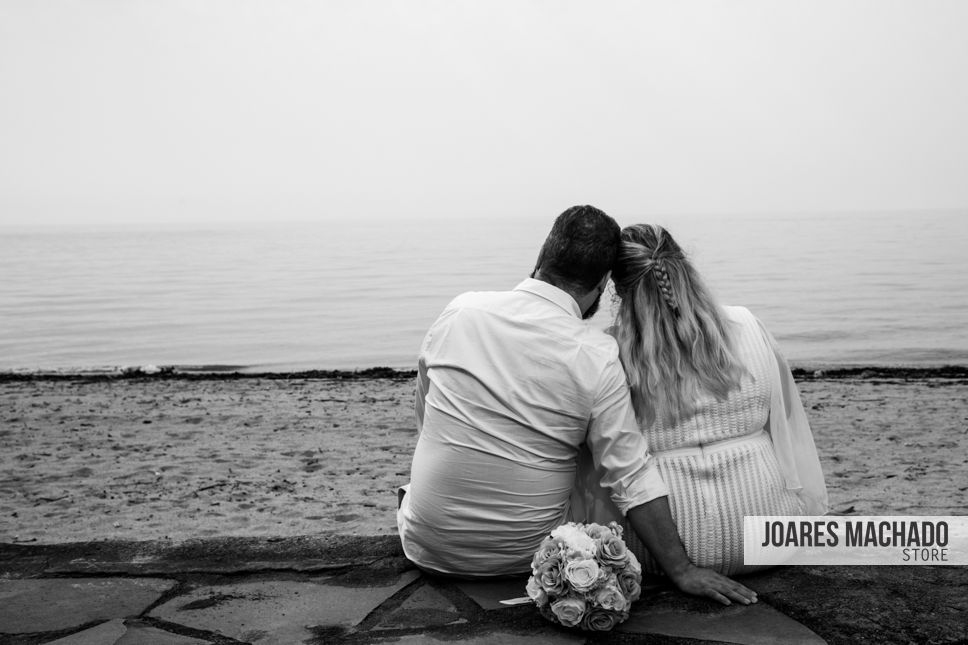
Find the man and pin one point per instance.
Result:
(509, 386)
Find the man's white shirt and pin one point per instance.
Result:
(509, 385)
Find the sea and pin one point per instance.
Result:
(836, 289)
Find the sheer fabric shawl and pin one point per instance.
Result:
(792, 438)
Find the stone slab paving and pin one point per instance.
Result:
(425, 607)
(849, 604)
(117, 632)
(757, 624)
(108, 633)
(488, 595)
(276, 611)
(53, 604)
(666, 614)
(144, 635)
(493, 638)
(382, 599)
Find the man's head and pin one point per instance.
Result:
(579, 252)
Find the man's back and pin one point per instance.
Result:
(508, 385)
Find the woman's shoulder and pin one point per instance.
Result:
(745, 319)
(752, 326)
(739, 313)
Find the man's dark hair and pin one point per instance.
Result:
(580, 249)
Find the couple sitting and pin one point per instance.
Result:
(679, 423)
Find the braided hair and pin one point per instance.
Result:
(673, 337)
(663, 282)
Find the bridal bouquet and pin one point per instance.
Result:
(584, 576)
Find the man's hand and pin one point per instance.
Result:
(706, 582)
(653, 523)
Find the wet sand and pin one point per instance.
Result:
(176, 457)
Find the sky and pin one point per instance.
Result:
(124, 111)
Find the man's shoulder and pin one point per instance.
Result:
(477, 299)
(474, 297)
(473, 305)
(597, 342)
(519, 305)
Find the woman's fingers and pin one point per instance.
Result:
(705, 582)
(731, 594)
(718, 597)
(741, 594)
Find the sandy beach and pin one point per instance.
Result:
(177, 457)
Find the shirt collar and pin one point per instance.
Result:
(551, 293)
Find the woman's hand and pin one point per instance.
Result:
(653, 523)
(706, 582)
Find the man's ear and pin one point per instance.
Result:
(604, 282)
(537, 263)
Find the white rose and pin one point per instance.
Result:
(582, 575)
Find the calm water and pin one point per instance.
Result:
(869, 289)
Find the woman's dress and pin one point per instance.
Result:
(720, 464)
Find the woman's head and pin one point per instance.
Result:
(649, 258)
(672, 334)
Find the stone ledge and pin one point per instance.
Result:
(225, 555)
(859, 604)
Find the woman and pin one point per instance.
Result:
(716, 401)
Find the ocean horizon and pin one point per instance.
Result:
(836, 289)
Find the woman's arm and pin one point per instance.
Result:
(653, 523)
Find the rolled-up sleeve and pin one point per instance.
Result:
(618, 448)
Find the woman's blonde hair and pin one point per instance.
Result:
(672, 335)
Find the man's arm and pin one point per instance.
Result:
(653, 523)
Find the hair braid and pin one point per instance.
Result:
(664, 284)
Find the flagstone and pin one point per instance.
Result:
(115, 632)
(489, 594)
(144, 635)
(276, 611)
(756, 624)
(551, 637)
(426, 607)
(53, 604)
(104, 634)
